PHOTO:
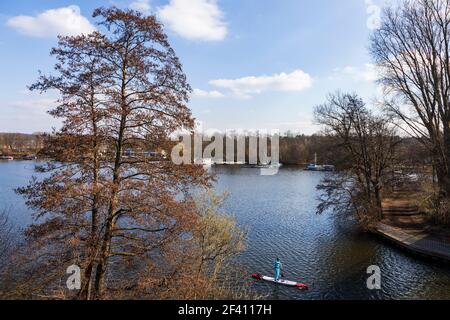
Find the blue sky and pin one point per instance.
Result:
(253, 64)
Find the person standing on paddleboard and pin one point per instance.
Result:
(277, 266)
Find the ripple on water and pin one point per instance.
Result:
(326, 251)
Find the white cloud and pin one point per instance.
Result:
(366, 73)
(207, 94)
(194, 19)
(66, 21)
(141, 5)
(297, 80)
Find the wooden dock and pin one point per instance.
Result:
(406, 227)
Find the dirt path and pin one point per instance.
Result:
(406, 226)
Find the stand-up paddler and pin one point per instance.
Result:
(277, 266)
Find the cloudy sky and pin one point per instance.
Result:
(253, 64)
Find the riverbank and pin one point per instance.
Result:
(408, 228)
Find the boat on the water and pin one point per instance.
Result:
(281, 282)
(207, 163)
(263, 166)
(315, 167)
(7, 158)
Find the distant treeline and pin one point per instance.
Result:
(303, 150)
(294, 150)
(20, 143)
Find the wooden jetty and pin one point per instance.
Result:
(405, 226)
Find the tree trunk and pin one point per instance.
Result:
(445, 175)
(379, 205)
(101, 268)
(102, 265)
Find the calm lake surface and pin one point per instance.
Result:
(327, 252)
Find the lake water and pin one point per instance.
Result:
(327, 252)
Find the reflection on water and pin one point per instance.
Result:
(325, 251)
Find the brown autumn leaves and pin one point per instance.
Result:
(127, 220)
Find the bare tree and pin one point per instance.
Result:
(218, 236)
(369, 140)
(208, 270)
(412, 51)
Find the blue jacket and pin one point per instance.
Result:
(277, 265)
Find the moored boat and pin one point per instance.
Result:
(315, 167)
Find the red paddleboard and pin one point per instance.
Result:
(282, 282)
